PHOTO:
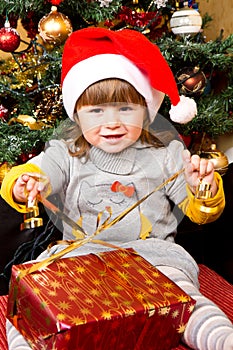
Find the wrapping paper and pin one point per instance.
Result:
(114, 300)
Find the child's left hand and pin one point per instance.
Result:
(198, 169)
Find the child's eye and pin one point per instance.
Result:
(96, 110)
(126, 109)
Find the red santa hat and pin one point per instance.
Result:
(93, 54)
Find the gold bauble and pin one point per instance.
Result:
(218, 158)
(55, 27)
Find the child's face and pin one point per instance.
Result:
(112, 127)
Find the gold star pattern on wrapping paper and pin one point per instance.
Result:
(190, 308)
(130, 312)
(152, 291)
(118, 287)
(87, 262)
(181, 328)
(126, 265)
(61, 317)
(125, 276)
(107, 302)
(60, 274)
(64, 305)
(114, 294)
(72, 297)
(80, 269)
(175, 314)
(164, 311)
(183, 298)
(127, 303)
(140, 296)
(168, 285)
(123, 254)
(149, 282)
(156, 274)
(102, 273)
(106, 315)
(141, 271)
(89, 301)
(52, 293)
(78, 280)
(77, 320)
(97, 282)
(95, 292)
(85, 311)
(55, 284)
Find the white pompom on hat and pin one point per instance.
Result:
(93, 54)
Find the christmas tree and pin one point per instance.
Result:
(30, 95)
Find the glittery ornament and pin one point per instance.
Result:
(9, 38)
(218, 158)
(192, 81)
(3, 113)
(24, 157)
(55, 27)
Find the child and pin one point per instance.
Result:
(113, 84)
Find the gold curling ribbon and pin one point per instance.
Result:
(78, 243)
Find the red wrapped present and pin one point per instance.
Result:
(112, 300)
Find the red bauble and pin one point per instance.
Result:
(3, 113)
(24, 157)
(9, 38)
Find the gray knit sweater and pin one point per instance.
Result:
(88, 187)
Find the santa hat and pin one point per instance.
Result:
(93, 54)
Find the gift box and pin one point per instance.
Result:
(111, 300)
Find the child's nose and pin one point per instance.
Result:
(112, 118)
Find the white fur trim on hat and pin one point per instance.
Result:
(104, 66)
(184, 111)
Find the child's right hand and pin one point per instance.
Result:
(28, 186)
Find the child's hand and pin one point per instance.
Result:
(28, 186)
(198, 169)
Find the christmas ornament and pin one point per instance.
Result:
(24, 157)
(186, 21)
(218, 158)
(55, 27)
(3, 113)
(192, 81)
(9, 38)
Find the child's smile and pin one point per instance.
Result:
(112, 127)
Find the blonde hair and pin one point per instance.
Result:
(108, 91)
